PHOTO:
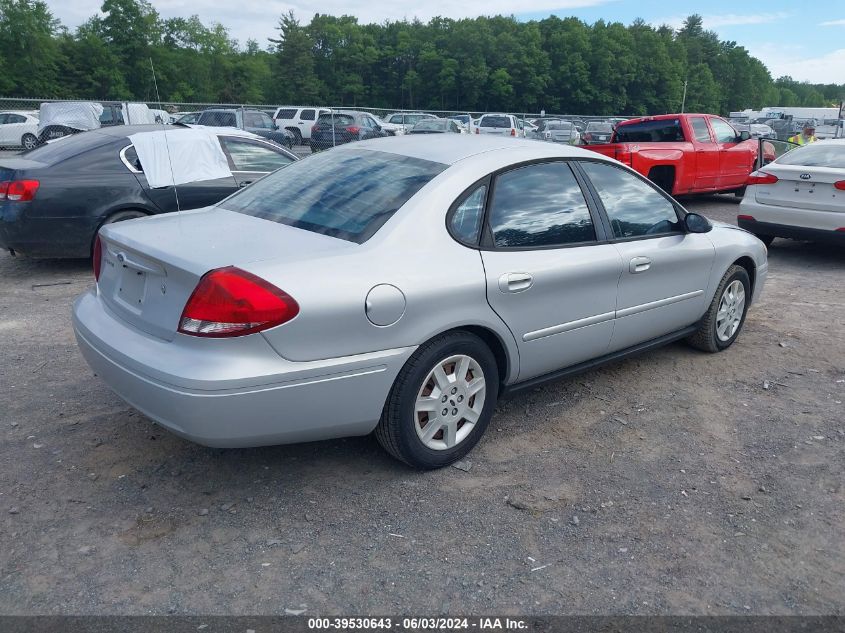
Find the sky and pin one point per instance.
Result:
(807, 44)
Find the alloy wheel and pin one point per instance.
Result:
(731, 310)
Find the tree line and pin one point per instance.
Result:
(484, 63)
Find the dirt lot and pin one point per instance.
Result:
(676, 482)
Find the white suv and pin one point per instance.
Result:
(298, 120)
(500, 124)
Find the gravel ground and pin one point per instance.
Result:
(675, 482)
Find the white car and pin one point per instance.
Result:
(298, 120)
(18, 129)
(800, 195)
(401, 122)
(500, 125)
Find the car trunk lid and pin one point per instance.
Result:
(802, 187)
(150, 266)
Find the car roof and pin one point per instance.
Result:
(124, 131)
(448, 149)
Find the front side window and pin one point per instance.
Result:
(634, 207)
(466, 220)
(396, 119)
(724, 132)
(700, 129)
(252, 119)
(248, 156)
(345, 194)
(539, 206)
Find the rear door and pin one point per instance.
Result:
(736, 160)
(305, 120)
(665, 271)
(706, 165)
(250, 159)
(550, 275)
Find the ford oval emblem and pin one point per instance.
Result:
(122, 258)
(805, 176)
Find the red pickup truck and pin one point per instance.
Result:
(684, 153)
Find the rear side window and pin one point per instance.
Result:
(466, 219)
(346, 194)
(700, 129)
(539, 206)
(634, 207)
(286, 113)
(307, 115)
(660, 131)
(495, 121)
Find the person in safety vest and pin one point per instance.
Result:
(807, 136)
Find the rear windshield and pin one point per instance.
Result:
(347, 194)
(218, 119)
(599, 127)
(495, 121)
(559, 125)
(816, 155)
(339, 119)
(67, 146)
(661, 131)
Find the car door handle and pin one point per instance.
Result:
(639, 265)
(515, 282)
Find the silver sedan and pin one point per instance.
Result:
(400, 286)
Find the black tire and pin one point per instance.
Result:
(739, 193)
(29, 141)
(396, 431)
(706, 338)
(766, 239)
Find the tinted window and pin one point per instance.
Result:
(396, 119)
(559, 125)
(539, 205)
(661, 131)
(495, 121)
(266, 121)
(724, 133)
(286, 113)
(16, 118)
(346, 194)
(466, 220)
(132, 158)
(816, 155)
(599, 127)
(218, 119)
(248, 156)
(634, 207)
(700, 129)
(69, 146)
(307, 115)
(253, 119)
(4, 118)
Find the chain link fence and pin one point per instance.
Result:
(27, 123)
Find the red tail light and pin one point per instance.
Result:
(477, 131)
(18, 190)
(232, 302)
(353, 129)
(314, 128)
(747, 218)
(513, 132)
(761, 178)
(97, 257)
(840, 184)
(588, 136)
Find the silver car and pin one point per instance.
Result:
(400, 286)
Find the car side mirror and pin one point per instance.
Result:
(695, 223)
(744, 136)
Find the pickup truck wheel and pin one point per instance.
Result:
(441, 402)
(726, 315)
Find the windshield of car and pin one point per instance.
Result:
(346, 194)
(339, 119)
(495, 121)
(430, 125)
(816, 155)
(659, 131)
(599, 127)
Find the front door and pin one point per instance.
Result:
(548, 277)
(706, 155)
(736, 159)
(665, 270)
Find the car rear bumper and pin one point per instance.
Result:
(791, 231)
(234, 392)
(44, 237)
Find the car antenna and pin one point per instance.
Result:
(166, 144)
